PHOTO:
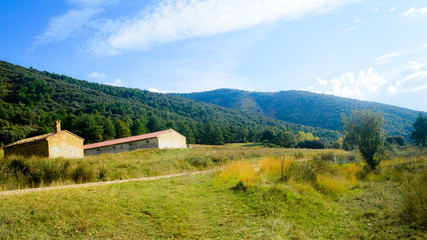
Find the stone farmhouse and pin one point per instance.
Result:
(161, 139)
(63, 144)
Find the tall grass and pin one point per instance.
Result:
(242, 171)
(321, 175)
(18, 172)
(412, 199)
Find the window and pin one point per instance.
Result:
(130, 144)
(98, 149)
(148, 141)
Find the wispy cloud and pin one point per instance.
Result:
(350, 85)
(175, 20)
(412, 79)
(116, 83)
(96, 75)
(387, 57)
(349, 29)
(415, 12)
(67, 25)
(393, 9)
(155, 90)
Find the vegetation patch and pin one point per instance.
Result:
(247, 199)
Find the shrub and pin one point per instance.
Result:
(312, 144)
(82, 173)
(412, 200)
(307, 171)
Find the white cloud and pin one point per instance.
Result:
(155, 90)
(392, 9)
(67, 25)
(415, 12)
(96, 75)
(175, 20)
(415, 65)
(349, 29)
(386, 58)
(350, 85)
(410, 82)
(116, 83)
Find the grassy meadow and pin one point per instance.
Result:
(21, 173)
(258, 193)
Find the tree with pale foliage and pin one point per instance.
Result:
(364, 130)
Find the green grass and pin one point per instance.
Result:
(253, 203)
(39, 172)
(190, 207)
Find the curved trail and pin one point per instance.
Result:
(29, 190)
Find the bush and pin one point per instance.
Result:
(312, 144)
(82, 173)
(412, 200)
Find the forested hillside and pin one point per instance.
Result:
(31, 100)
(306, 108)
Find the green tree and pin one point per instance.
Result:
(364, 130)
(286, 139)
(154, 124)
(419, 134)
(121, 129)
(137, 128)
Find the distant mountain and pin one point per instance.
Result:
(31, 100)
(306, 108)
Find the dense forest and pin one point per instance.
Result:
(306, 108)
(31, 100)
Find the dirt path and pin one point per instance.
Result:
(29, 190)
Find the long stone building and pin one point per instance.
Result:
(63, 144)
(161, 139)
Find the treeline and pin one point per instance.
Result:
(306, 108)
(30, 102)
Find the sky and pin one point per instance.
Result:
(373, 50)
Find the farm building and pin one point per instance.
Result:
(52, 145)
(162, 139)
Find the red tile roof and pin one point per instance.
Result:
(124, 140)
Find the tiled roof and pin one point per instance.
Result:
(124, 140)
(39, 138)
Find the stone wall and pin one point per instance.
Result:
(65, 145)
(123, 147)
(38, 148)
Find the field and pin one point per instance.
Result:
(258, 193)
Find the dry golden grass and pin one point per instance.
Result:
(331, 183)
(242, 171)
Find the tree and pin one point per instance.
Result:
(137, 128)
(154, 124)
(419, 134)
(397, 140)
(121, 129)
(364, 130)
(286, 139)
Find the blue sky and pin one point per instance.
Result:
(373, 50)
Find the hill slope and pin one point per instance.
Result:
(31, 100)
(306, 108)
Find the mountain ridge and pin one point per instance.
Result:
(307, 108)
(30, 101)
